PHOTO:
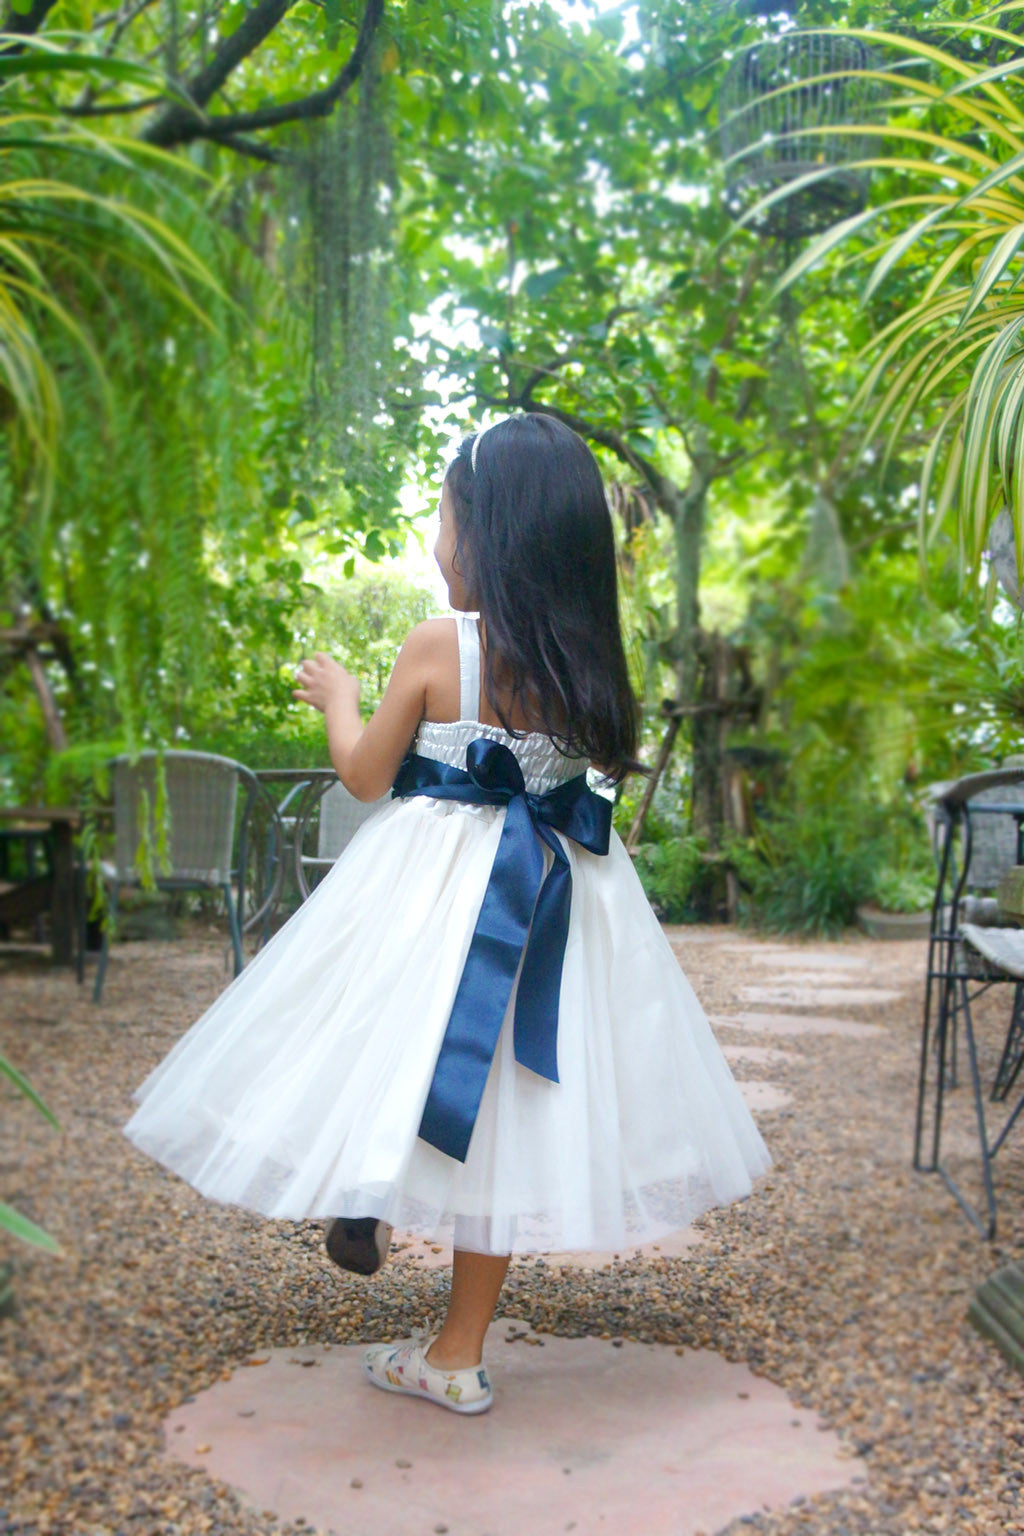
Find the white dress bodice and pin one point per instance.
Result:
(544, 766)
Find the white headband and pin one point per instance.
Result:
(476, 448)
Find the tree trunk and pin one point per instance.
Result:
(688, 519)
(51, 714)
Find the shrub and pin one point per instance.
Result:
(806, 871)
(667, 872)
(903, 890)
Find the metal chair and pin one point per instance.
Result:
(978, 834)
(341, 816)
(193, 798)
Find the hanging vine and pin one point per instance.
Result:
(344, 259)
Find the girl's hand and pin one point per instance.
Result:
(323, 681)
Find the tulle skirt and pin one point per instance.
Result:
(299, 1092)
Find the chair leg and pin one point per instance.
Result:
(945, 1031)
(236, 935)
(979, 1111)
(101, 968)
(1013, 1050)
(922, 1076)
(934, 1044)
(81, 918)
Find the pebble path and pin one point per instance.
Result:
(844, 1280)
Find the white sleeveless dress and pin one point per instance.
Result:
(299, 1092)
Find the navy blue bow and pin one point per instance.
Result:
(522, 911)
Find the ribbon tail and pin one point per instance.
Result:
(481, 1001)
(540, 981)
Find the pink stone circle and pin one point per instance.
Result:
(636, 1440)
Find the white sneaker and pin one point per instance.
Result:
(404, 1368)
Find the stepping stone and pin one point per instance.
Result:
(797, 1024)
(814, 980)
(804, 959)
(829, 997)
(406, 1249)
(829, 960)
(763, 1055)
(650, 1442)
(763, 1096)
(683, 935)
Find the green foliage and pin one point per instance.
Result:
(362, 621)
(896, 890)
(806, 871)
(11, 1220)
(63, 226)
(188, 495)
(509, 206)
(668, 871)
(828, 844)
(949, 363)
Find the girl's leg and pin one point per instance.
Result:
(476, 1284)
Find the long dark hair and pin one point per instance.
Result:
(537, 552)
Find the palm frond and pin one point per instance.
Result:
(955, 359)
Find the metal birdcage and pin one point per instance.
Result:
(759, 117)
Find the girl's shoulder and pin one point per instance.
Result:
(432, 651)
(433, 637)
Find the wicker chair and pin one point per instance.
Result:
(978, 833)
(341, 816)
(201, 800)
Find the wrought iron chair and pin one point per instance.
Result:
(341, 816)
(199, 792)
(978, 833)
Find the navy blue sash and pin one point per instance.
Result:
(521, 911)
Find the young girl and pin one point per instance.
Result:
(475, 1021)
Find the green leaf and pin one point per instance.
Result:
(496, 338)
(19, 1226)
(539, 284)
(8, 1070)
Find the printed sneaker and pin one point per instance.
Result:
(404, 1368)
(359, 1244)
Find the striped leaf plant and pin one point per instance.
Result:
(11, 1220)
(53, 224)
(950, 168)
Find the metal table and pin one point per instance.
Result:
(55, 891)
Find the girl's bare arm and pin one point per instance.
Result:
(367, 757)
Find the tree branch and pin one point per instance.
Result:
(26, 23)
(86, 108)
(750, 276)
(183, 123)
(550, 370)
(605, 437)
(256, 149)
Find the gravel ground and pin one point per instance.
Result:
(845, 1279)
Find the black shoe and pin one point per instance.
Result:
(359, 1244)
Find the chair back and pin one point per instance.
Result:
(202, 792)
(974, 846)
(993, 837)
(341, 816)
